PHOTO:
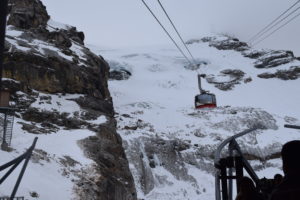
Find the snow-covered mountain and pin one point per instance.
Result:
(59, 87)
(169, 144)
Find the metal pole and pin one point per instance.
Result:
(199, 83)
(217, 185)
(23, 169)
(3, 14)
(230, 172)
(4, 143)
(224, 182)
(239, 172)
(10, 171)
(291, 126)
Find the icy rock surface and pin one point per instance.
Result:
(290, 74)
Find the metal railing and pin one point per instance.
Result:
(6, 124)
(236, 160)
(224, 166)
(12, 165)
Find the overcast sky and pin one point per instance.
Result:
(119, 23)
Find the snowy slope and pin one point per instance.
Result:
(156, 115)
(58, 163)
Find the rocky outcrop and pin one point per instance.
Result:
(291, 74)
(232, 76)
(264, 58)
(43, 59)
(106, 150)
(54, 74)
(119, 71)
(223, 43)
(156, 152)
(119, 75)
(26, 14)
(178, 155)
(273, 59)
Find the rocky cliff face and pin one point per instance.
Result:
(43, 61)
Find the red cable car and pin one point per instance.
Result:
(205, 99)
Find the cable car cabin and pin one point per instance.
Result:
(205, 100)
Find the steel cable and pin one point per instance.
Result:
(277, 23)
(176, 31)
(167, 32)
(270, 24)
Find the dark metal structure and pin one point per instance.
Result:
(6, 125)
(6, 113)
(205, 99)
(12, 165)
(225, 167)
(291, 126)
(234, 164)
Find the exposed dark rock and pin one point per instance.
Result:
(226, 43)
(180, 145)
(148, 153)
(254, 53)
(67, 161)
(121, 74)
(119, 71)
(34, 194)
(106, 150)
(230, 44)
(234, 77)
(247, 80)
(26, 14)
(54, 75)
(63, 38)
(96, 104)
(131, 128)
(31, 128)
(39, 155)
(290, 74)
(90, 114)
(49, 120)
(274, 59)
(265, 58)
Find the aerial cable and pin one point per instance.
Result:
(176, 31)
(261, 31)
(167, 32)
(277, 29)
(270, 28)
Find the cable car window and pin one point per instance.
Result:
(205, 98)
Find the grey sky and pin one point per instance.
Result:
(119, 23)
